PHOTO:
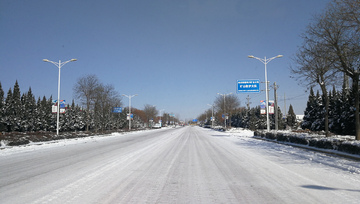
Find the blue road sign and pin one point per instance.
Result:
(117, 110)
(248, 86)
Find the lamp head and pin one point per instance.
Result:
(73, 60)
(250, 56)
(279, 56)
(46, 60)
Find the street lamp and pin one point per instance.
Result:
(129, 108)
(212, 116)
(59, 65)
(224, 107)
(265, 61)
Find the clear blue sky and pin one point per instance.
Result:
(174, 54)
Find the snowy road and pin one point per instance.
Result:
(176, 165)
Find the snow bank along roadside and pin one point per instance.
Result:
(5, 149)
(346, 144)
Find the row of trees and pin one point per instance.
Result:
(330, 49)
(224, 104)
(22, 112)
(341, 112)
(250, 118)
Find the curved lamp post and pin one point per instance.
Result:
(265, 61)
(59, 65)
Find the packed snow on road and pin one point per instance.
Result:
(174, 165)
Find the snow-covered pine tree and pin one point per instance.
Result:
(42, 121)
(334, 111)
(246, 118)
(309, 114)
(318, 113)
(17, 108)
(37, 119)
(30, 108)
(281, 122)
(24, 120)
(347, 117)
(8, 111)
(2, 110)
(291, 118)
(252, 122)
(261, 119)
(49, 116)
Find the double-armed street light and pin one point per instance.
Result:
(265, 61)
(59, 65)
(129, 108)
(224, 95)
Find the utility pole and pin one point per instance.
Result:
(248, 103)
(276, 107)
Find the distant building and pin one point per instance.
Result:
(299, 118)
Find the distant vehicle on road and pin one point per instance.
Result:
(156, 126)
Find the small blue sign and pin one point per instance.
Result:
(117, 110)
(248, 86)
(195, 120)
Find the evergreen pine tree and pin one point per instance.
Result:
(43, 121)
(291, 118)
(309, 114)
(30, 110)
(24, 120)
(247, 119)
(37, 119)
(318, 113)
(50, 117)
(334, 112)
(9, 113)
(16, 106)
(261, 119)
(2, 110)
(281, 122)
(251, 124)
(347, 118)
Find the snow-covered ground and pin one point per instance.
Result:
(242, 136)
(174, 165)
(33, 146)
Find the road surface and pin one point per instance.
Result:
(176, 165)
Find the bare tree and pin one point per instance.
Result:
(314, 66)
(228, 105)
(106, 98)
(150, 111)
(350, 12)
(85, 92)
(337, 31)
